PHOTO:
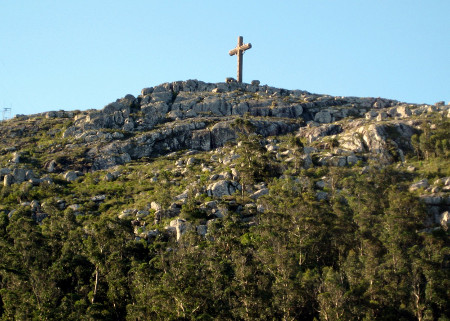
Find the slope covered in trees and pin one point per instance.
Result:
(262, 228)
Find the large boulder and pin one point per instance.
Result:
(222, 188)
(71, 176)
(422, 184)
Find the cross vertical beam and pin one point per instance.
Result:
(240, 58)
(239, 52)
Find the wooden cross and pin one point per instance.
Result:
(239, 52)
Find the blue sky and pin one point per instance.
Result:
(84, 54)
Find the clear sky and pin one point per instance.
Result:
(86, 53)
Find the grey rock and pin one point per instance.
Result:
(352, 159)
(4, 171)
(8, 180)
(35, 181)
(222, 188)
(109, 177)
(259, 193)
(16, 158)
(202, 230)
(51, 166)
(371, 114)
(155, 206)
(323, 117)
(420, 184)
(320, 184)
(142, 213)
(35, 206)
(182, 196)
(181, 227)
(382, 116)
(314, 133)
(71, 176)
(201, 140)
(444, 219)
(400, 111)
(432, 199)
(98, 198)
(19, 175)
(240, 109)
(306, 161)
(321, 195)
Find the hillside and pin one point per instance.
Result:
(227, 201)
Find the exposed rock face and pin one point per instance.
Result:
(197, 115)
(314, 133)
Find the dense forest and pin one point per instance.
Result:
(351, 242)
(362, 255)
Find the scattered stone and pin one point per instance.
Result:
(71, 176)
(16, 158)
(202, 230)
(20, 175)
(51, 166)
(155, 206)
(320, 184)
(8, 180)
(321, 195)
(127, 213)
(142, 213)
(444, 219)
(422, 184)
(109, 177)
(259, 193)
(98, 198)
(35, 206)
(191, 161)
(181, 227)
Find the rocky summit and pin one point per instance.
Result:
(234, 201)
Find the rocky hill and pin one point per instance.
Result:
(182, 162)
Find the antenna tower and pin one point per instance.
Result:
(6, 113)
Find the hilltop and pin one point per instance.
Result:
(207, 201)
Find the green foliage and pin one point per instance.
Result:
(362, 254)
